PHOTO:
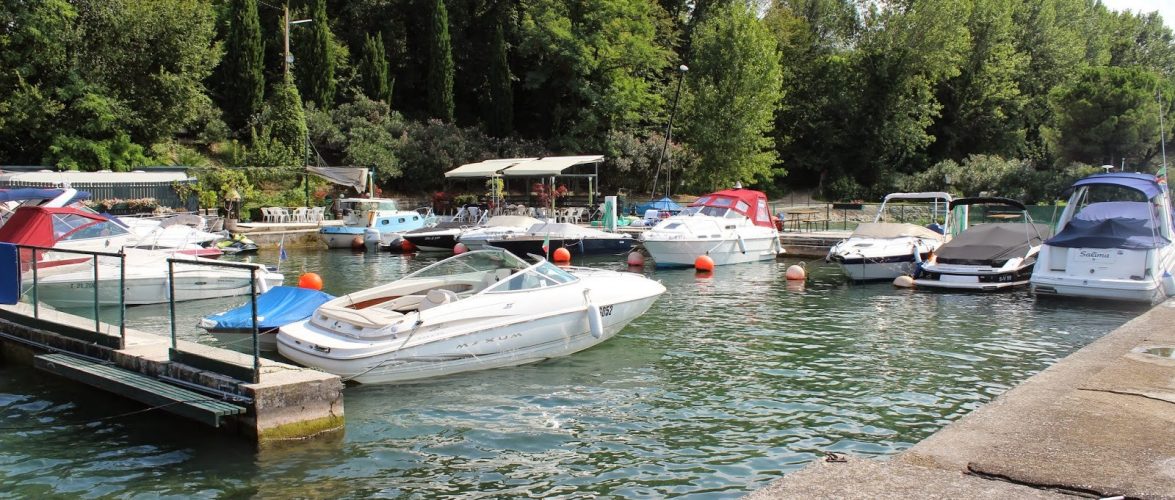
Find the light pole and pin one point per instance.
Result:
(668, 134)
(286, 35)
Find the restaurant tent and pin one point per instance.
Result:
(488, 168)
(550, 166)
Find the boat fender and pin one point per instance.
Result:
(1168, 284)
(742, 245)
(595, 321)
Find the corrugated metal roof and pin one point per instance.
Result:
(59, 178)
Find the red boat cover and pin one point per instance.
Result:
(43, 227)
(748, 202)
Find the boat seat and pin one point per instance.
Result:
(437, 297)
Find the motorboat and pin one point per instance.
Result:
(473, 311)
(279, 306)
(147, 280)
(1114, 241)
(881, 250)
(444, 239)
(237, 244)
(987, 256)
(72, 228)
(477, 238)
(548, 236)
(730, 226)
(371, 222)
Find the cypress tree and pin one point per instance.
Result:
(287, 120)
(373, 70)
(242, 77)
(500, 119)
(316, 70)
(440, 65)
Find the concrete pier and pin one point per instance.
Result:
(1100, 422)
(288, 402)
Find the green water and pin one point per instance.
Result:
(727, 383)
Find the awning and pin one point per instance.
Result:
(488, 168)
(355, 177)
(551, 165)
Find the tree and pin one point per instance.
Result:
(316, 67)
(499, 107)
(1047, 34)
(241, 76)
(1106, 115)
(440, 65)
(373, 70)
(281, 135)
(734, 90)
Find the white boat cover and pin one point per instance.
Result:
(893, 230)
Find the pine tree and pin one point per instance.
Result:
(373, 70)
(242, 77)
(316, 70)
(440, 65)
(500, 112)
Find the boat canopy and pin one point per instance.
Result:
(279, 306)
(24, 194)
(1113, 224)
(987, 200)
(748, 202)
(665, 204)
(1143, 183)
(991, 244)
(44, 226)
(893, 230)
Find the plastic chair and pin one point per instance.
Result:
(301, 214)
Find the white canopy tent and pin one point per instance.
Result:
(550, 166)
(488, 168)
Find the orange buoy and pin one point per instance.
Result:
(357, 243)
(460, 248)
(796, 273)
(636, 259)
(310, 280)
(561, 255)
(704, 263)
(407, 246)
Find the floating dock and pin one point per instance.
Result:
(218, 387)
(1100, 423)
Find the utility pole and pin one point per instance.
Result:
(669, 133)
(289, 58)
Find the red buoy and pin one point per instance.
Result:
(636, 259)
(796, 273)
(310, 280)
(407, 246)
(704, 263)
(561, 255)
(357, 243)
(460, 248)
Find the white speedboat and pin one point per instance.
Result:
(882, 250)
(147, 281)
(371, 222)
(444, 239)
(988, 256)
(730, 226)
(1113, 241)
(477, 310)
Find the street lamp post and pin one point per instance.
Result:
(286, 35)
(668, 134)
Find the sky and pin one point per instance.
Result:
(1166, 8)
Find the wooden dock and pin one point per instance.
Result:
(207, 384)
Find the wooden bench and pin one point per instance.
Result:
(149, 391)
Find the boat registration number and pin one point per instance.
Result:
(1094, 255)
(88, 284)
(605, 311)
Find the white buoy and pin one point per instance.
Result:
(904, 281)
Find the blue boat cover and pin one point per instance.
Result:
(9, 274)
(665, 204)
(23, 194)
(1112, 224)
(281, 305)
(1143, 183)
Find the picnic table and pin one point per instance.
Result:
(805, 219)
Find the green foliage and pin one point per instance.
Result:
(315, 68)
(499, 104)
(430, 148)
(734, 90)
(440, 66)
(630, 162)
(241, 76)
(1108, 114)
(996, 176)
(373, 70)
(280, 137)
(361, 133)
(215, 184)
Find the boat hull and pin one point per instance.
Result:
(75, 290)
(879, 268)
(527, 340)
(436, 242)
(683, 252)
(1109, 274)
(976, 278)
(577, 247)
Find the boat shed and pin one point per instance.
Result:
(158, 183)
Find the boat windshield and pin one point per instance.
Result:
(541, 275)
(711, 211)
(470, 262)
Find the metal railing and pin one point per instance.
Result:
(34, 265)
(253, 280)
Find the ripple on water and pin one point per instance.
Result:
(728, 382)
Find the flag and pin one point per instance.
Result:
(547, 244)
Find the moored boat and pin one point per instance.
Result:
(578, 240)
(730, 226)
(371, 222)
(473, 311)
(1114, 241)
(881, 250)
(279, 306)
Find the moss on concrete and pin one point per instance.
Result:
(302, 429)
